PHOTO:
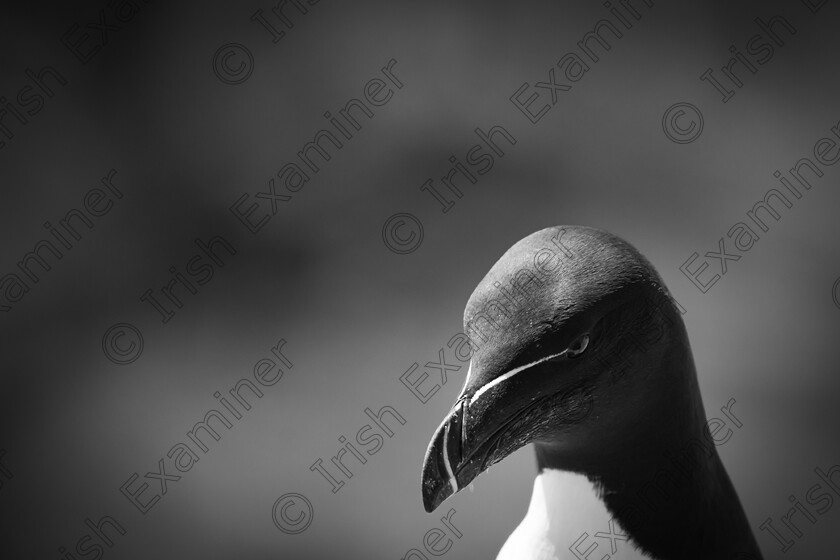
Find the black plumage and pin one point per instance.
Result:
(580, 350)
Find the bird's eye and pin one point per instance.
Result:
(578, 346)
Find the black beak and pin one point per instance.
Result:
(492, 421)
(442, 464)
(467, 442)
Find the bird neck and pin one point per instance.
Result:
(661, 477)
(683, 506)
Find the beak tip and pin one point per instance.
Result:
(435, 492)
(436, 486)
(428, 505)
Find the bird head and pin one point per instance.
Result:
(568, 331)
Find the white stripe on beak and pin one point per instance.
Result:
(453, 482)
(511, 373)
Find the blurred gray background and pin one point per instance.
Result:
(75, 425)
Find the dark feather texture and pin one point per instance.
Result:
(626, 411)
